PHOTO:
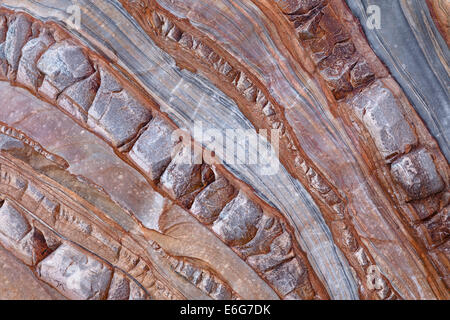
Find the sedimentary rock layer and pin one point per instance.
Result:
(120, 117)
(351, 145)
(187, 97)
(166, 28)
(341, 61)
(345, 69)
(439, 10)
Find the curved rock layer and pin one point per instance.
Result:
(186, 99)
(439, 10)
(100, 195)
(255, 236)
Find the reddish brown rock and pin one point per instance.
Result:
(121, 196)
(438, 227)
(297, 6)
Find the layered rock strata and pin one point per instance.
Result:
(88, 90)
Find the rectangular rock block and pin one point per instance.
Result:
(12, 222)
(416, 173)
(16, 235)
(28, 74)
(19, 32)
(280, 251)
(64, 63)
(115, 113)
(152, 151)
(210, 201)
(237, 222)
(287, 276)
(75, 274)
(186, 175)
(380, 113)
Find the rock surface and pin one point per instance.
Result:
(102, 197)
(75, 274)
